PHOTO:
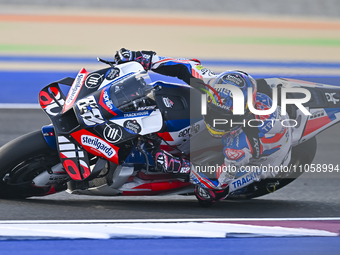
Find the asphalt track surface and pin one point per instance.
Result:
(312, 195)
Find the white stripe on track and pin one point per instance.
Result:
(151, 230)
(20, 106)
(96, 221)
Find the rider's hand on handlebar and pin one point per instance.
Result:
(143, 57)
(123, 55)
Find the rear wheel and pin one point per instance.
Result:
(301, 155)
(21, 160)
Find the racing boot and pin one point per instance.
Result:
(207, 197)
(167, 163)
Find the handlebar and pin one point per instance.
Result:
(110, 63)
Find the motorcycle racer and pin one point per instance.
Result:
(245, 144)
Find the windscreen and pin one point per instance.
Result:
(132, 92)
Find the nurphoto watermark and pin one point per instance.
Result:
(238, 106)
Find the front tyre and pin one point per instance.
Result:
(21, 160)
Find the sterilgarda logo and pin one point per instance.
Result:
(98, 144)
(238, 102)
(75, 88)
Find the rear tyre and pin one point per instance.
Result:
(302, 154)
(21, 160)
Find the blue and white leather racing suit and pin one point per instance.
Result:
(253, 153)
(255, 157)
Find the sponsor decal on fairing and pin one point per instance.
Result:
(112, 74)
(89, 111)
(75, 89)
(150, 107)
(94, 80)
(137, 114)
(112, 133)
(98, 144)
(106, 102)
(317, 113)
(70, 154)
(48, 103)
(132, 126)
(190, 131)
(330, 98)
(167, 102)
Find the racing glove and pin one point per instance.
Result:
(143, 57)
(165, 162)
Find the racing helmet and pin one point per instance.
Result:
(220, 102)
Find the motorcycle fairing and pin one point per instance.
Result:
(141, 125)
(110, 111)
(48, 133)
(67, 115)
(52, 99)
(84, 84)
(313, 125)
(96, 145)
(185, 102)
(321, 119)
(113, 133)
(88, 111)
(94, 115)
(74, 159)
(182, 117)
(324, 107)
(153, 188)
(75, 89)
(106, 103)
(119, 72)
(91, 113)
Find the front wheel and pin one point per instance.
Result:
(21, 160)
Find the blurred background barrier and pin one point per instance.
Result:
(43, 41)
(326, 8)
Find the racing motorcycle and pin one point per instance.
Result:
(103, 132)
